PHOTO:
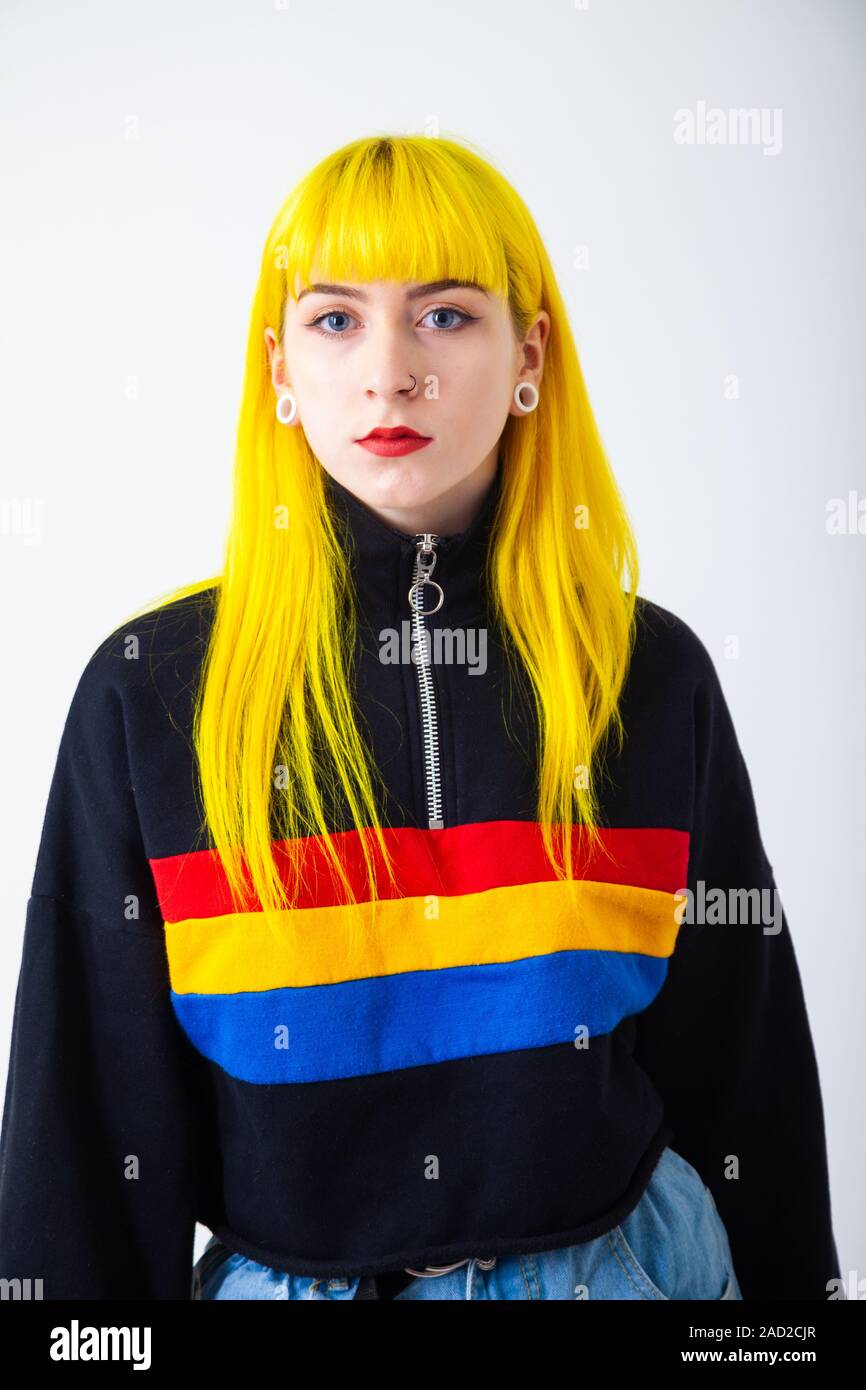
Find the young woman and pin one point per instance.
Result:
(401, 912)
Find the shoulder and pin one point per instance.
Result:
(154, 654)
(667, 647)
(672, 682)
(674, 686)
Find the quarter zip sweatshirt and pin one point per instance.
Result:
(492, 1066)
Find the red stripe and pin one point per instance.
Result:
(459, 859)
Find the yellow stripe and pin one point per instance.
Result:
(239, 952)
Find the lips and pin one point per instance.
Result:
(392, 441)
(393, 432)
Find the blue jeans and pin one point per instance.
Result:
(672, 1245)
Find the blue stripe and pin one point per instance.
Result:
(418, 1017)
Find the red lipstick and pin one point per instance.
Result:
(393, 441)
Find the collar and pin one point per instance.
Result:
(383, 559)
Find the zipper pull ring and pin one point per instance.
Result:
(425, 565)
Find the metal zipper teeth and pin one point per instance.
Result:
(426, 546)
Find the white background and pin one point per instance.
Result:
(145, 150)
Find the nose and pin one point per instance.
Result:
(389, 369)
(403, 385)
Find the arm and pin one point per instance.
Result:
(105, 1104)
(728, 1043)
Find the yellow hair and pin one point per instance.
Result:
(277, 690)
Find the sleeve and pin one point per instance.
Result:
(727, 1040)
(101, 1152)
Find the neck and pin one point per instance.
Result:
(447, 515)
(383, 557)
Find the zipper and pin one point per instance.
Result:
(425, 563)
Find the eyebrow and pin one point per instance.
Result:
(419, 292)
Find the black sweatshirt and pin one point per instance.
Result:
(492, 1066)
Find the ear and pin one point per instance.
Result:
(276, 360)
(531, 357)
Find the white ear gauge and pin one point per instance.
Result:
(518, 400)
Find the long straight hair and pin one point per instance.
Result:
(275, 732)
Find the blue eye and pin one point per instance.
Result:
(462, 317)
(331, 314)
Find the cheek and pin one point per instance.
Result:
(486, 372)
(483, 390)
(318, 376)
(314, 366)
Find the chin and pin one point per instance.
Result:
(400, 482)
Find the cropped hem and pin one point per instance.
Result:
(416, 1257)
